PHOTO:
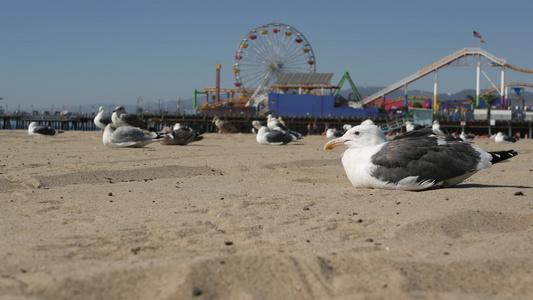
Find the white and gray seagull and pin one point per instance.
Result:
(181, 135)
(266, 136)
(128, 136)
(503, 138)
(415, 160)
(121, 118)
(100, 120)
(35, 129)
(275, 124)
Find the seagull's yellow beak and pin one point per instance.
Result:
(334, 143)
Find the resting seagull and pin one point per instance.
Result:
(436, 128)
(503, 138)
(266, 136)
(275, 124)
(415, 160)
(467, 137)
(410, 126)
(256, 126)
(346, 127)
(127, 136)
(100, 120)
(36, 129)
(121, 118)
(181, 135)
(333, 133)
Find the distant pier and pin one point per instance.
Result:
(304, 125)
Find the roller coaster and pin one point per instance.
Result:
(464, 57)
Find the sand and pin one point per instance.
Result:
(227, 218)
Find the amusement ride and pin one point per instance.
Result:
(262, 56)
(268, 51)
(273, 51)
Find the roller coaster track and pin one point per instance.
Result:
(465, 57)
(518, 69)
(508, 85)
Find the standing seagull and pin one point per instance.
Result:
(100, 120)
(121, 118)
(36, 129)
(415, 160)
(503, 138)
(127, 136)
(224, 126)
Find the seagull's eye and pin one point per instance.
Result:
(356, 133)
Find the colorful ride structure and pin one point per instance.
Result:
(267, 52)
(275, 73)
(465, 57)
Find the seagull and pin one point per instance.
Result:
(467, 137)
(36, 129)
(224, 126)
(256, 125)
(367, 122)
(414, 160)
(127, 136)
(275, 124)
(100, 120)
(181, 135)
(436, 128)
(346, 127)
(121, 118)
(266, 136)
(333, 133)
(503, 138)
(410, 126)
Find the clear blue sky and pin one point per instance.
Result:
(74, 52)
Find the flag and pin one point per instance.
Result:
(478, 35)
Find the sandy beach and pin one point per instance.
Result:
(227, 218)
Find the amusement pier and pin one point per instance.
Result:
(275, 74)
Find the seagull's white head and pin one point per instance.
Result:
(256, 124)
(409, 126)
(119, 109)
(346, 127)
(358, 137)
(367, 122)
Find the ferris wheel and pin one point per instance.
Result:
(268, 51)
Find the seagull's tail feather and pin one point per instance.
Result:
(298, 135)
(499, 156)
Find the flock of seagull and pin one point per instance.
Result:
(420, 158)
(122, 129)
